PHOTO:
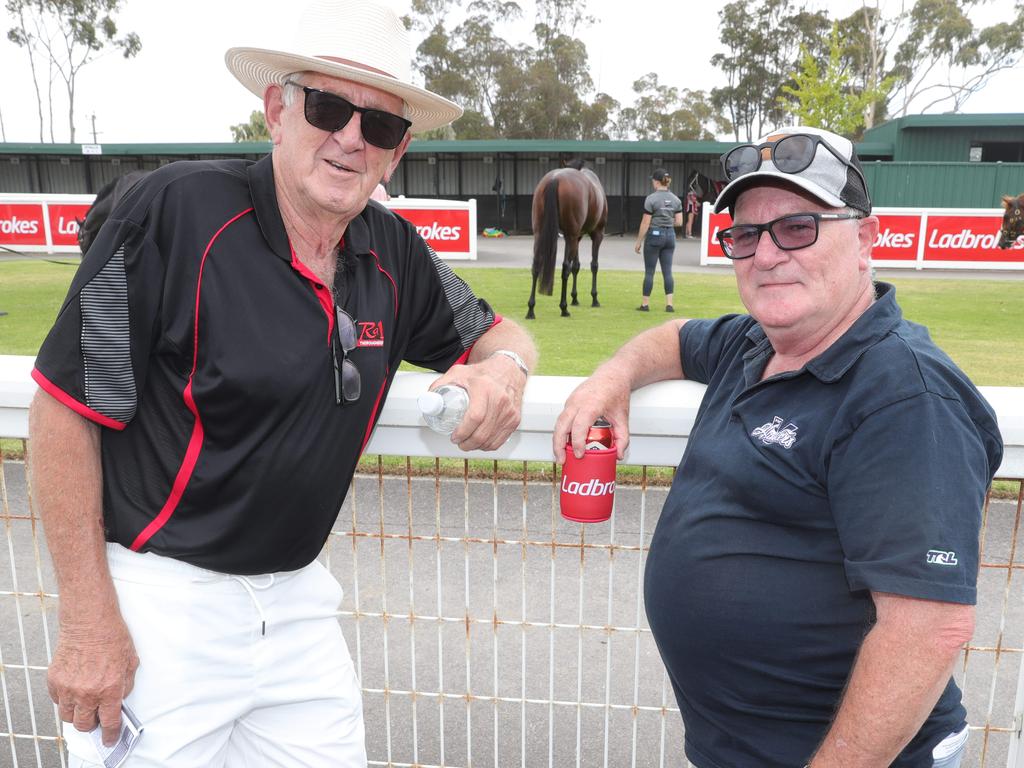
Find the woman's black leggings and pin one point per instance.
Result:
(659, 245)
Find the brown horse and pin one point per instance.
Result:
(1013, 220)
(571, 200)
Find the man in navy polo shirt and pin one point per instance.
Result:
(812, 577)
(205, 394)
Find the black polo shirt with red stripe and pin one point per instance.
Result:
(204, 347)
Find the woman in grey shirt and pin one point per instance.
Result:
(662, 212)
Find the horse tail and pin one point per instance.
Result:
(545, 244)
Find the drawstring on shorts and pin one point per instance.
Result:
(250, 586)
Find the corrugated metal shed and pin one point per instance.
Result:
(954, 138)
(502, 174)
(943, 185)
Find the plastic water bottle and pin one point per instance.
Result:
(444, 407)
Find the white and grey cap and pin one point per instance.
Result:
(834, 182)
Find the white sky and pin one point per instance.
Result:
(178, 89)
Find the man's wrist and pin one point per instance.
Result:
(514, 357)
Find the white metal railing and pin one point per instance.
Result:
(486, 629)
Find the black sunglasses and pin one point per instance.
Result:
(789, 233)
(347, 381)
(790, 154)
(330, 112)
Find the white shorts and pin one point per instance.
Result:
(234, 671)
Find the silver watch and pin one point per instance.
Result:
(514, 357)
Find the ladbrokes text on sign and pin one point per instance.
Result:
(967, 238)
(22, 225)
(445, 231)
(897, 238)
(64, 218)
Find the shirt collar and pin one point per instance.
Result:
(356, 240)
(264, 201)
(830, 366)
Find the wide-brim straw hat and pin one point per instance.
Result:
(359, 40)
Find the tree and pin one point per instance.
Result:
(664, 113)
(764, 40)
(514, 91)
(940, 35)
(466, 63)
(254, 130)
(827, 98)
(70, 33)
(933, 53)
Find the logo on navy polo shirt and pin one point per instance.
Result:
(371, 334)
(773, 433)
(941, 557)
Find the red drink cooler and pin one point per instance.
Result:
(588, 485)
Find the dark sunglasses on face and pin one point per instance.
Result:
(790, 154)
(347, 381)
(789, 233)
(330, 112)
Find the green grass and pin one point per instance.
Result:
(978, 322)
(31, 293)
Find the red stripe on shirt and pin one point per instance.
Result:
(373, 414)
(195, 443)
(80, 408)
(464, 357)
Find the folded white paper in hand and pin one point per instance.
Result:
(131, 731)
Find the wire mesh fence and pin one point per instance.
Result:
(488, 631)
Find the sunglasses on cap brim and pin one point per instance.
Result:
(790, 154)
(330, 112)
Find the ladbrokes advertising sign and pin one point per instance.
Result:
(49, 223)
(449, 226)
(914, 238)
(41, 223)
(445, 230)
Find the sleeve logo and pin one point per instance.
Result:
(371, 334)
(939, 557)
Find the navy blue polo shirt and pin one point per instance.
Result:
(194, 335)
(863, 471)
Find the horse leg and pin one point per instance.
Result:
(533, 295)
(567, 261)
(574, 266)
(595, 243)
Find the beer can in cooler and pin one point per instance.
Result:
(599, 436)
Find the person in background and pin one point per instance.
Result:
(209, 385)
(811, 579)
(657, 237)
(692, 209)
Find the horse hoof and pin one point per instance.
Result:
(596, 303)
(529, 315)
(565, 313)
(575, 303)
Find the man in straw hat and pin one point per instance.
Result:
(812, 576)
(205, 394)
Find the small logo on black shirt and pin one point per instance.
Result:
(773, 433)
(939, 557)
(371, 334)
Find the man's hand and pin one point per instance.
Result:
(606, 394)
(93, 669)
(495, 387)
